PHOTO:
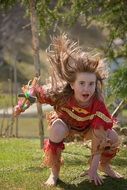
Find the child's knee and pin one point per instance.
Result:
(58, 131)
(113, 136)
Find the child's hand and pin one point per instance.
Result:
(22, 105)
(92, 172)
(93, 176)
(17, 110)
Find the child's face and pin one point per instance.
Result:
(84, 87)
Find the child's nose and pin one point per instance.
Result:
(86, 88)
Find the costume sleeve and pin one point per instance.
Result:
(102, 116)
(43, 96)
(28, 97)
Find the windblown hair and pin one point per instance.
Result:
(67, 59)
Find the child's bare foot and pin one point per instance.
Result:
(109, 171)
(51, 181)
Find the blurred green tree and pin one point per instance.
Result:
(111, 15)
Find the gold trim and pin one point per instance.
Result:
(80, 110)
(76, 117)
(89, 117)
(103, 117)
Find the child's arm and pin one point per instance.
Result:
(93, 175)
(32, 92)
(99, 143)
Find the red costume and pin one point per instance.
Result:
(81, 120)
(77, 117)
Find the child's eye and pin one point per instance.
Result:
(81, 82)
(91, 83)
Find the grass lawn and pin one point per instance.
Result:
(20, 161)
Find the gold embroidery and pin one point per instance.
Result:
(103, 117)
(80, 110)
(89, 117)
(76, 117)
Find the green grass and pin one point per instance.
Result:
(20, 160)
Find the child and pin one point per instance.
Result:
(76, 95)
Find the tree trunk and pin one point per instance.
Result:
(35, 44)
(16, 97)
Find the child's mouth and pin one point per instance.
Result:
(85, 96)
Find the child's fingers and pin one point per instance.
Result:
(97, 180)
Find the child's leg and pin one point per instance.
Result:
(108, 155)
(53, 148)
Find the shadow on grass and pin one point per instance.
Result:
(80, 184)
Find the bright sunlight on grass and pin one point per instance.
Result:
(20, 169)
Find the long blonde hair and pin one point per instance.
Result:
(66, 59)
